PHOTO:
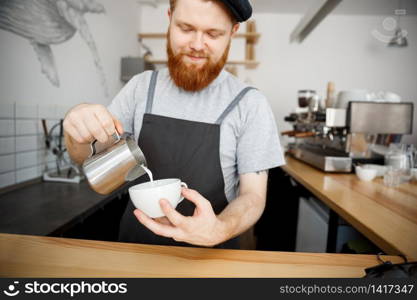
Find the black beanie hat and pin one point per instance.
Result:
(240, 9)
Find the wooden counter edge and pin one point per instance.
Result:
(66, 252)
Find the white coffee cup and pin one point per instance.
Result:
(365, 174)
(146, 196)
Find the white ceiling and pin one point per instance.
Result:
(354, 7)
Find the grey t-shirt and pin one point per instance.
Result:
(248, 135)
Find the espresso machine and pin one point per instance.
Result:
(335, 139)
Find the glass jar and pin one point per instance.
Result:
(397, 157)
(392, 177)
(304, 97)
(400, 161)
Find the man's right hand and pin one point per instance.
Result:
(88, 122)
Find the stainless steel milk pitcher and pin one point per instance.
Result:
(112, 164)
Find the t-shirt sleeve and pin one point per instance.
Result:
(258, 147)
(123, 105)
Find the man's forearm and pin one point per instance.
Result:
(241, 214)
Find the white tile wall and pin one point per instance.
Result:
(50, 156)
(41, 169)
(26, 143)
(23, 155)
(7, 163)
(27, 174)
(49, 125)
(61, 111)
(7, 128)
(26, 159)
(25, 127)
(7, 145)
(26, 111)
(40, 141)
(47, 112)
(6, 110)
(7, 179)
(51, 165)
(41, 156)
(40, 127)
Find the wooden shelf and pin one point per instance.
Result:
(251, 37)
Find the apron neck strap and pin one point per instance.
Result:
(151, 92)
(234, 103)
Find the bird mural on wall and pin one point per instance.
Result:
(48, 22)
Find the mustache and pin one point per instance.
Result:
(196, 54)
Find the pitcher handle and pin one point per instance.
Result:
(97, 147)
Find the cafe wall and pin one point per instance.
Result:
(342, 49)
(52, 57)
(86, 67)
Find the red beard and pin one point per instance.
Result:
(190, 77)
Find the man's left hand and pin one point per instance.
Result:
(203, 228)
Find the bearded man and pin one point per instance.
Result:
(196, 122)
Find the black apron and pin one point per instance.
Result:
(187, 150)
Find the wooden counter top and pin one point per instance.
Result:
(35, 256)
(385, 215)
